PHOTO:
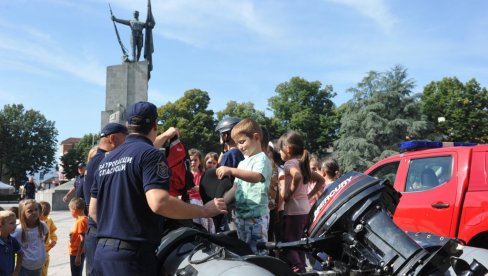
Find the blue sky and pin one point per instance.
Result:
(54, 53)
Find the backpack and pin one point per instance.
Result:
(181, 178)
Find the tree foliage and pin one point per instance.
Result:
(381, 114)
(27, 142)
(306, 107)
(464, 108)
(78, 154)
(190, 114)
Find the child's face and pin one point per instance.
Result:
(210, 164)
(314, 166)
(42, 216)
(8, 226)
(285, 153)
(31, 212)
(194, 162)
(248, 146)
(73, 212)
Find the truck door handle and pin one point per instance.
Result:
(440, 205)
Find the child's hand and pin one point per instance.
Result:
(223, 171)
(78, 260)
(51, 244)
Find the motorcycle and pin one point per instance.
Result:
(351, 223)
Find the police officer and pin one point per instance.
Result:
(130, 196)
(79, 180)
(111, 136)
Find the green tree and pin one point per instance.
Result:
(190, 114)
(459, 112)
(247, 110)
(381, 114)
(78, 154)
(306, 107)
(27, 142)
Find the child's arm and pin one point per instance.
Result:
(18, 263)
(80, 250)
(248, 176)
(52, 235)
(319, 185)
(296, 179)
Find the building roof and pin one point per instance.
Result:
(71, 140)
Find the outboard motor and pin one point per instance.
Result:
(356, 217)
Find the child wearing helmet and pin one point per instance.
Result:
(231, 157)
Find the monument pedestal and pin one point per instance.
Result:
(126, 85)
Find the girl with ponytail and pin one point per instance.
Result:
(297, 206)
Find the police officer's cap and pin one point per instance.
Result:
(142, 113)
(227, 124)
(112, 128)
(81, 165)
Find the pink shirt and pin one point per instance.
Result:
(298, 203)
(196, 179)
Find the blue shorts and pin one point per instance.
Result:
(252, 231)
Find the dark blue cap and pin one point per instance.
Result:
(142, 113)
(112, 128)
(81, 165)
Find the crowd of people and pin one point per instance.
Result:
(121, 201)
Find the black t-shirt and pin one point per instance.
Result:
(30, 190)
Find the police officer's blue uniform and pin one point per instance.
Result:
(79, 181)
(231, 158)
(128, 231)
(91, 235)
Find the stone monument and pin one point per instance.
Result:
(127, 83)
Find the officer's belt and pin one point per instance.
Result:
(121, 244)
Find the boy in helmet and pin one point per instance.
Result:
(231, 157)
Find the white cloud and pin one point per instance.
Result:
(377, 10)
(36, 52)
(198, 23)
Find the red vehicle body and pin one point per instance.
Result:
(444, 191)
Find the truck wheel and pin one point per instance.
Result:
(480, 240)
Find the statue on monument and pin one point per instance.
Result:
(137, 36)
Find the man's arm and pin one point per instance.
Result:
(165, 136)
(230, 194)
(121, 21)
(68, 194)
(162, 203)
(92, 209)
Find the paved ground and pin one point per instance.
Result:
(59, 258)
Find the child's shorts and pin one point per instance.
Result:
(252, 231)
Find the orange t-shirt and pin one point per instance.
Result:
(78, 229)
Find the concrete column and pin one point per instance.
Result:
(126, 85)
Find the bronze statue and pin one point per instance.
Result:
(137, 36)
